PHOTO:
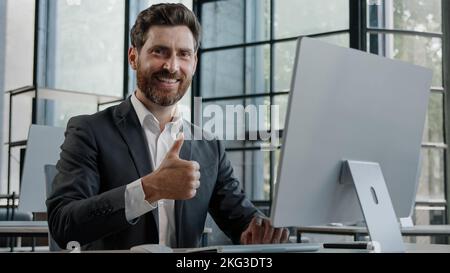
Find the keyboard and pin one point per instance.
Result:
(259, 248)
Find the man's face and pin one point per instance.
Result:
(166, 63)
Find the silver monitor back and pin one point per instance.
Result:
(348, 105)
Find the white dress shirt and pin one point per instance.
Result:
(159, 144)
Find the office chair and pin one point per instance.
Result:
(9, 213)
(50, 173)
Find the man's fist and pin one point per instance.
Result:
(175, 179)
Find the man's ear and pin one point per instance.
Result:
(133, 57)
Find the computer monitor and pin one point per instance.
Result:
(350, 110)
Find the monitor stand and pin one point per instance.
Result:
(376, 205)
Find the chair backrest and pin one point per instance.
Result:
(6, 214)
(50, 173)
(43, 147)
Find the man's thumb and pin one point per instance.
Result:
(176, 147)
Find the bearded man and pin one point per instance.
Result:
(127, 176)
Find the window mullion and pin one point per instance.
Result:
(446, 82)
(358, 24)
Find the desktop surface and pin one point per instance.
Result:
(23, 228)
(410, 248)
(256, 248)
(419, 230)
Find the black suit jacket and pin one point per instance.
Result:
(104, 152)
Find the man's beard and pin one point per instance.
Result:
(157, 96)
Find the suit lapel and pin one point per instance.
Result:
(132, 133)
(186, 154)
(131, 130)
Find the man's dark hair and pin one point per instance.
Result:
(164, 15)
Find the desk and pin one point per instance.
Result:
(358, 232)
(409, 247)
(23, 229)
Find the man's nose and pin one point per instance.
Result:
(172, 64)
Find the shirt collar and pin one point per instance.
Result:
(144, 114)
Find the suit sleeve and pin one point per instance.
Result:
(76, 210)
(229, 206)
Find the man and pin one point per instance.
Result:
(127, 177)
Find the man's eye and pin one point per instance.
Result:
(185, 54)
(158, 51)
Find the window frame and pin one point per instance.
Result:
(430, 203)
(446, 82)
(272, 42)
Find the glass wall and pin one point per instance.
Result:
(253, 58)
(250, 64)
(85, 44)
(411, 31)
(81, 52)
(19, 44)
(311, 17)
(81, 66)
(2, 78)
(18, 48)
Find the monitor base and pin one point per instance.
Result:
(376, 204)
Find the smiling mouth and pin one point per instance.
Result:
(167, 80)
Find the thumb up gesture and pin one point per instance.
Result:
(175, 178)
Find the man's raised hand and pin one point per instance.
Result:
(175, 178)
